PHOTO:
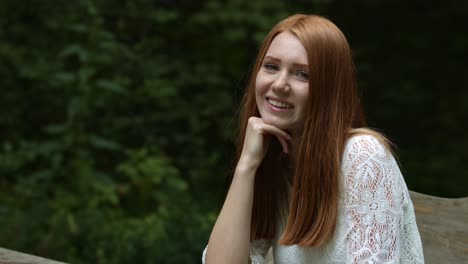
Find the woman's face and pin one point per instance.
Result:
(282, 84)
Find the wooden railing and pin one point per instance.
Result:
(442, 224)
(12, 257)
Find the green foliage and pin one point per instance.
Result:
(117, 121)
(117, 124)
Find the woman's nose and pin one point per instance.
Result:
(281, 83)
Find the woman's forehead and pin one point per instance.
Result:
(286, 46)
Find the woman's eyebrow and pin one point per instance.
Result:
(300, 65)
(269, 57)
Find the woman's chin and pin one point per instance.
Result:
(276, 123)
(288, 128)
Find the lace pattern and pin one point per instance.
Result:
(258, 251)
(377, 206)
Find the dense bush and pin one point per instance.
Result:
(117, 117)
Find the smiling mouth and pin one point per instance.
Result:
(279, 104)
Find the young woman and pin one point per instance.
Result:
(310, 179)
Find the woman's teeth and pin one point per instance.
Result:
(279, 104)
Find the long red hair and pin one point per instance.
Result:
(333, 110)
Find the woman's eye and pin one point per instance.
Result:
(271, 67)
(303, 75)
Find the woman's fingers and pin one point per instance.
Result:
(281, 135)
(276, 131)
(257, 138)
(283, 143)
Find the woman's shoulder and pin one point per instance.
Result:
(369, 167)
(366, 147)
(366, 140)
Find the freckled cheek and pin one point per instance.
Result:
(261, 85)
(258, 92)
(303, 96)
(304, 93)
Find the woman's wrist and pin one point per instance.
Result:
(246, 167)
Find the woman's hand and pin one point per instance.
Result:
(257, 138)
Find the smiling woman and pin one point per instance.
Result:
(311, 180)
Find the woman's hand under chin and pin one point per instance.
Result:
(257, 139)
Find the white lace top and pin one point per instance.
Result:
(376, 222)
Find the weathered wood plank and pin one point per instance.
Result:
(12, 257)
(443, 225)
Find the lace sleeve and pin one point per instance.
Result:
(258, 251)
(375, 197)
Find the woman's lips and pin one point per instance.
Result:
(278, 106)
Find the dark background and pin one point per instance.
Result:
(117, 118)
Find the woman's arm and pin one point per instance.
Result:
(230, 239)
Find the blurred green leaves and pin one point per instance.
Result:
(117, 124)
